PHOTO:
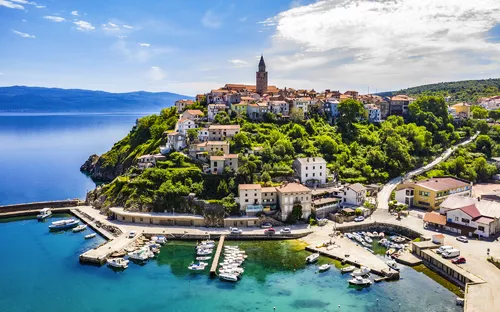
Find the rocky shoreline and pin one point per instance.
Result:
(93, 166)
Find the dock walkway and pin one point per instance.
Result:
(220, 245)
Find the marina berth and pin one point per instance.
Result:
(63, 224)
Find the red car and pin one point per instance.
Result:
(458, 260)
(270, 231)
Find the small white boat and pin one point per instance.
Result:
(44, 213)
(63, 224)
(312, 258)
(203, 258)
(204, 252)
(374, 234)
(383, 241)
(139, 255)
(80, 228)
(119, 263)
(358, 280)
(393, 265)
(159, 239)
(348, 269)
(381, 234)
(228, 277)
(390, 251)
(324, 267)
(348, 235)
(361, 271)
(368, 240)
(89, 236)
(197, 266)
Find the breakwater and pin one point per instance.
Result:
(380, 227)
(39, 205)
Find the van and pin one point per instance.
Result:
(452, 253)
(442, 249)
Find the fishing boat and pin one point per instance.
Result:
(80, 228)
(228, 277)
(360, 281)
(63, 224)
(368, 240)
(312, 258)
(159, 239)
(203, 258)
(44, 213)
(118, 263)
(393, 265)
(324, 267)
(197, 266)
(89, 236)
(361, 271)
(348, 269)
(204, 252)
(139, 255)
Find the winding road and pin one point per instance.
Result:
(385, 194)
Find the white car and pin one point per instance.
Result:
(236, 231)
(286, 231)
(359, 219)
(131, 234)
(462, 239)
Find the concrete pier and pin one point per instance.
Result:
(220, 245)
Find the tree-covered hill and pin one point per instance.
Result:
(459, 91)
(54, 100)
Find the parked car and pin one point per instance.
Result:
(131, 234)
(458, 260)
(452, 253)
(462, 239)
(442, 249)
(270, 231)
(266, 225)
(359, 219)
(236, 231)
(286, 231)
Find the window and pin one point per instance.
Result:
(306, 175)
(321, 174)
(314, 167)
(465, 220)
(314, 174)
(456, 218)
(255, 194)
(142, 220)
(480, 228)
(246, 194)
(320, 167)
(246, 200)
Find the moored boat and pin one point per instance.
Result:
(393, 265)
(203, 258)
(204, 252)
(348, 269)
(312, 258)
(118, 263)
(368, 240)
(89, 236)
(228, 277)
(361, 271)
(44, 213)
(80, 228)
(197, 266)
(63, 224)
(324, 267)
(139, 255)
(360, 281)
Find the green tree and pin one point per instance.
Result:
(222, 118)
(494, 114)
(349, 112)
(192, 134)
(296, 214)
(265, 177)
(484, 144)
(222, 189)
(297, 115)
(479, 112)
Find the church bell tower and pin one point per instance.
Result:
(261, 83)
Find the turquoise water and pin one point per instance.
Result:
(41, 154)
(40, 272)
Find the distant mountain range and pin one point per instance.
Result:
(54, 100)
(466, 90)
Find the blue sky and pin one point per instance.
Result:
(192, 46)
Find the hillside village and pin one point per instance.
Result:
(204, 133)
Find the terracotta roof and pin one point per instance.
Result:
(442, 184)
(311, 160)
(293, 187)
(438, 236)
(224, 127)
(472, 211)
(357, 187)
(231, 156)
(436, 218)
(195, 112)
(249, 187)
(217, 143)
(173, 133)
(401, 97)
(269, 189)
(484, 220)
(185, 101)
(212, 158)
(184, 119)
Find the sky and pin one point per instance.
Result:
(193, 46)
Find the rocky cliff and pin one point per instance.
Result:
(95, 168)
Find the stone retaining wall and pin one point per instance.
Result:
(40, 205)
(380, 227)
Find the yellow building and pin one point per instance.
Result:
(461, 110)
(431, 193)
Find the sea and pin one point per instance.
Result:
(40, 271)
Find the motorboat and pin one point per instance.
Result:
(197, 266)
(370, 250)
(204, 252)
(44, 214)
(381, 234)
(390, 251)
(159, 239)
(375, 234)
(203, 258)
(383, 241)
(324, 267)
(365, 244)
(393, 265)
(89, 236)
(80, 228)
(360, 281)
(118, 263)
(348, 235)
(361, 271)
(139, 255)
(368, 240)
(228, 277)
(348, 269)
(63, 224)
(312, 258)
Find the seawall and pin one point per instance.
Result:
(39, 205)
(380, 226)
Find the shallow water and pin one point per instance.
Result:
(41, 273)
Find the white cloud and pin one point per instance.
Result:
(40, 6)
(122, 37)
(156, 73)
(211, 20)
(56, 19)
(23, 20)
(135, 53)
(24, 35)
(147, 45)
(238, 63)
(386, 44)
(127, 26)
(111, 27)
(74, 13)
(11, 5)
(84, 26)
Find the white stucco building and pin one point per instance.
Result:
(311, 170)
(291, 194)
(354, 194)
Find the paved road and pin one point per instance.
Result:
(385, 194)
